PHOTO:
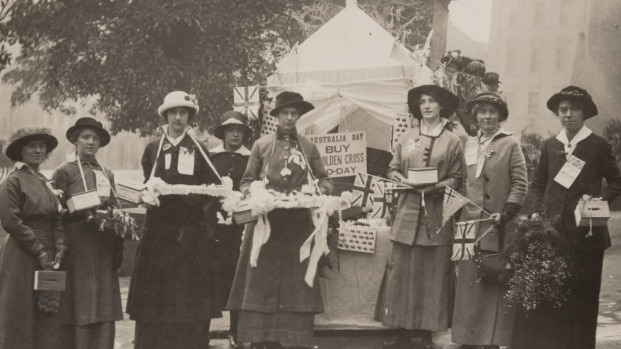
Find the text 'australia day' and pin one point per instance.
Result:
(339, 157)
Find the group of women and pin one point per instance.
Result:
(420, 295)
(178, 285)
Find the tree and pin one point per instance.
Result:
(123, 56)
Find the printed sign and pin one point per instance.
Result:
(342, 154)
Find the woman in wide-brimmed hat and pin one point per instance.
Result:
(497, 183)
(573, 325)
(171, 290)
(93, 297)
(230, 159)
(416, 292)
(29, 212)
(277, 307)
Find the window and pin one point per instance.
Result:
(511, 59)
(561, 58)
(535, 60)
(533, 102)
(539, 12)
(564, 12)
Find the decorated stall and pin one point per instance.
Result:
(357, 76)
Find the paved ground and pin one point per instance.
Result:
(608, 332)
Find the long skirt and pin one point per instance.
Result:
(276, 304)
(22, 326)
(417, 290)
(168, 335)
(480, 316)
(573, 325)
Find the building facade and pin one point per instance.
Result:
(533, 46)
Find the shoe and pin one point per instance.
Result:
(427, 340)
(396, 342)
(258, 345)
(233, 343)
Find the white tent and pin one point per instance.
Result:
(354, 73)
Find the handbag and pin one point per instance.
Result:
(493, 267)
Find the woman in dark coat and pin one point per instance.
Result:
(230, 159)
(496, 182)
(572, 326)
(277, 306)
(170, 294)
(30, 214)
(92, 301)
(417, 288)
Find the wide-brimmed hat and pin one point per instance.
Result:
(91, 124)
(232, 118)
(178, 99)
(574, 93)
(446, 98)
(291, 99)
(493, 99)
(491, 78)
(26, 134)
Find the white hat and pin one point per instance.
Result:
(178, 99)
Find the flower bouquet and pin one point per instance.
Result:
(116, 220)
(541, 266)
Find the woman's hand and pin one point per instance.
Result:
(45, 260)
(58, 258)
(496, 217)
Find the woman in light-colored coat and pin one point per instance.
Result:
(496, 182)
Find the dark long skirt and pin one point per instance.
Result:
(276, 304)
(167, 335)
(417, 288)
(22, 326)
(572, 326)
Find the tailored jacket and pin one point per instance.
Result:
(411, 224)
(503, 179)
(546, 195)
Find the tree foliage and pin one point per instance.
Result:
(123, 56)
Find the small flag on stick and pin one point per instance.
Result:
(463, 244)
(453, 201)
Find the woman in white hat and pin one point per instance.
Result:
(92, 301)
(30, 214)
(170, 295)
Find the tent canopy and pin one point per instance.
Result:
(350, 64)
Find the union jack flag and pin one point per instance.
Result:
(368, 191)
(246, 100)
(463, 244)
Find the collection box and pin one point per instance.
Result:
(130, 190)
(591, 212)
(423, 175)
(50, 280)
(83, 201)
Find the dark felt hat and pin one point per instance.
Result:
(491, 78)
(91, 124)
(493, 99)
(291, 99)
(25, 134)
(232, 118)
(446, 98)
(577, 94)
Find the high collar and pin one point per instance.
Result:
(220, 149)
(500, 132)
(436, 130)
(580, 136)
(174, 141)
